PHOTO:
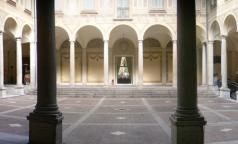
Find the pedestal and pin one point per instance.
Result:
(45, 128)
(187, 130)
(225, 93)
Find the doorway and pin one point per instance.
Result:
(124, 70)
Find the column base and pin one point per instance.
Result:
(187, 129)
(45, 128)
(237, 96)
(225, 93)
(3, 92)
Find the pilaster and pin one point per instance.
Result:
(72, 63)
(204, 64)
(84, 66)
(210, 63)
(19, 61)
(106, 62)
(174, 63)
(1, 62)
(140, 62)
(33, 64)
(224, 90)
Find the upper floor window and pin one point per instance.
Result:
(213, 3)
(157, 4)
(198, 4)
(123, 9)
(58, 5)
(89, 5)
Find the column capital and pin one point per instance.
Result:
(72, 41)
(210, 42)
(223, 36)
(18, 38)
(106, 41)
(140, 41)
(1, 32)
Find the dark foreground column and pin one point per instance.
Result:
(46, 120)
(187, 123)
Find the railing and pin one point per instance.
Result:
(233, 86)
(122, 12)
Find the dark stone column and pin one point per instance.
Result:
(187, 123)
(45, 122)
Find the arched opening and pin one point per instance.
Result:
(92, 59)
(169, 62)
(62, 56)
(215, 35)
(200, 38)
(9, 44)
(232, 44)
(123, 56)
(158, 55)
(26, 33)
(95, 61)
(152, 54)
(217, 58)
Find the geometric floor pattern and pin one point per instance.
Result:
(118, 120)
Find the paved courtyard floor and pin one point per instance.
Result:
(118, 120)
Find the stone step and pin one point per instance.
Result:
(122, 92)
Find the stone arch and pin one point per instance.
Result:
(159, 32)
(11, 25)
(169, 30)
(123, 31)
(27, 33)
(67, 30)
(133, 27)
(85, 33)
(230, 24)
(201, 32)
(215, 31)
(61, 35)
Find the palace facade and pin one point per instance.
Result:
(118, 42)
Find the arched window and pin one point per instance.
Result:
(122, 8)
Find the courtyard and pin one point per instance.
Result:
(118, 120)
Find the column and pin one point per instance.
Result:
(84, 66)
(1, 62)
(224, 91)
(210, 63)
(33, 64)
(187, 124)
(140, 62)
(204, 64)
(19, 61)
(174, 63)
(72, 62)
(164, 66)
(45, 122)
(106, 62)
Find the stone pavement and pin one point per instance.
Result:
(118, 120)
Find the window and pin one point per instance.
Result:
(213, 3)
(123, 9)
(198, 4)
(58, 5)
(157, 4)
(89, 4)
